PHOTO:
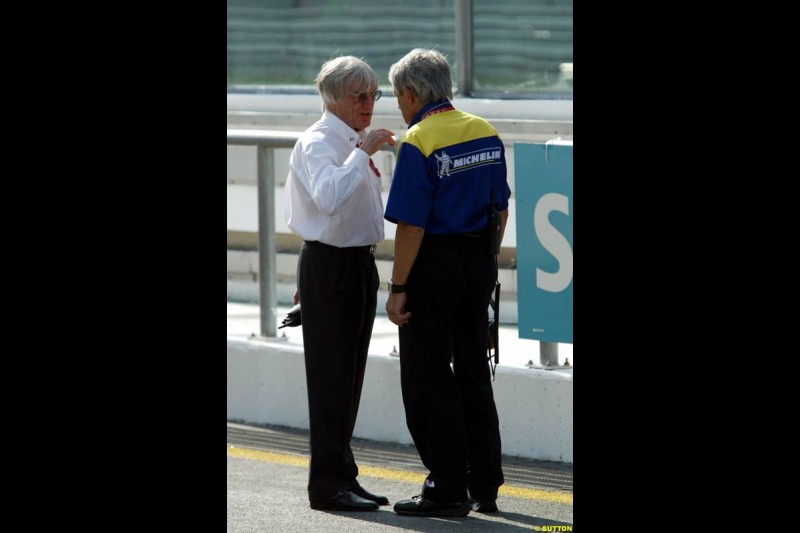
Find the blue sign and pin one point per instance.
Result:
(543, 190)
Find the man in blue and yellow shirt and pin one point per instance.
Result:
(450, 167)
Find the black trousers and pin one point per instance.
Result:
(338, 295)
(450, 410)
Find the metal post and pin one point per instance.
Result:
(548, 353)
(266, 242)
(464, 47)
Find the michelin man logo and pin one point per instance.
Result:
(444, 163)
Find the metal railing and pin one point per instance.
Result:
(265, 142)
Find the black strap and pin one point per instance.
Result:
(494, 302)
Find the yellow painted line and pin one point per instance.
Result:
(536, 494)
(397, 475)
(268, 457)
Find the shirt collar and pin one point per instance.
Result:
(342, 129)
(433, 106)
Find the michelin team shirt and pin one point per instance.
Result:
(331, 194)
(448, 163)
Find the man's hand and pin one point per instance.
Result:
(395, 309)
(377, 138)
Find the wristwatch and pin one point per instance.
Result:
(394, 288)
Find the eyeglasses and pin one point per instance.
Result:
(362, 97)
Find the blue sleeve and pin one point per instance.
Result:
(410, 195)
(503, 203)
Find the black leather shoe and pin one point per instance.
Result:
(487, 506)
(421, 506)
(364, 493)
(344, 500)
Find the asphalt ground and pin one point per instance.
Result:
(267, 476)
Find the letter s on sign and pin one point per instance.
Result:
(554, 242)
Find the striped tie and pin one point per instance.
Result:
(371, 164)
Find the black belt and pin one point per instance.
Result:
(454, 235)
(367, 248)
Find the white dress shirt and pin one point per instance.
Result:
(331, 194)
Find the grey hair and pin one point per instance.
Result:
(426, 71)
(336, 75)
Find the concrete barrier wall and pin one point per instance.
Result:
(266, 385)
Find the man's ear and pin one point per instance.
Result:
(410, 94)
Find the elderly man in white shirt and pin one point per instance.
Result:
(332, 200)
